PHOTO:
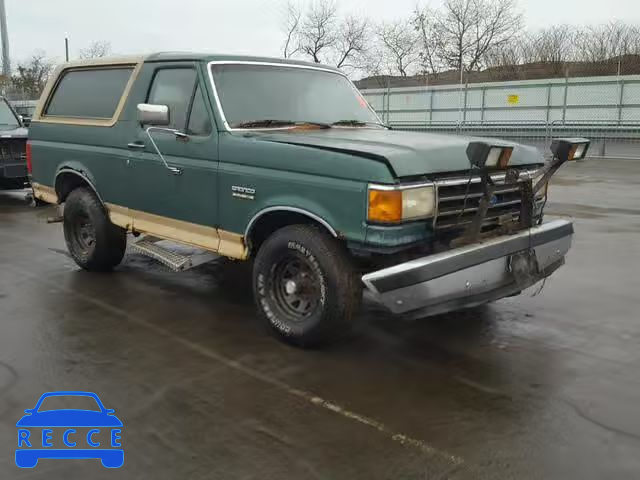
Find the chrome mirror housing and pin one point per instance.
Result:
(149, 114)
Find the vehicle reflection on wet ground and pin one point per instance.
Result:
(535, 386)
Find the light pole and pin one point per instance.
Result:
(4, 36)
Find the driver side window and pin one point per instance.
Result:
(199, 121)
(174, 87)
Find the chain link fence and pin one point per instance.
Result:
(22, 102)
(604, 107)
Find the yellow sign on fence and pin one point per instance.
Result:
(513, 99)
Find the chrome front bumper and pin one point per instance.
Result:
(474, 274)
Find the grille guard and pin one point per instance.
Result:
(528, 188)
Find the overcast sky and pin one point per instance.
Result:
(227, 26)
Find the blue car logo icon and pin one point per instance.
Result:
(99, 429)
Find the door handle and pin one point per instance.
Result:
(137, 145)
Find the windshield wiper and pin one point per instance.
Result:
(356, 123)
(273, 123)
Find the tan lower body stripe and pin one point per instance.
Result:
(44, 193)
(222, 242)
(228, 244)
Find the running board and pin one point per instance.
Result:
(176, 261)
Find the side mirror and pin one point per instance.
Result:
(29, 410)
(26, 121)
(149, 114)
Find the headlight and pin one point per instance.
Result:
(397, 204)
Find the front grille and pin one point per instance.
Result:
(459, 198)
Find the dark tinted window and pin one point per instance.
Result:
(91, 93)
(199, 121)
(173, 87)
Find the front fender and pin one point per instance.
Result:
(339, 204)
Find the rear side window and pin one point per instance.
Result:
(174, 87)
(91, 93)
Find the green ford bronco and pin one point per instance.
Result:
(285, 164)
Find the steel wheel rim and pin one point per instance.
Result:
(296, 287)
(84, 233)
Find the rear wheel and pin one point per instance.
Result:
(93, 241)
(305, 286)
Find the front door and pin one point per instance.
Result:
(182, 199)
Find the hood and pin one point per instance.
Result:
(69, 418)
(407, 153)
(11, 131)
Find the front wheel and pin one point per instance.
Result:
(93, 241)
(305, 286)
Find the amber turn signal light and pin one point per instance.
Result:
(385, 206)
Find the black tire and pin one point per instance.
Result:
(325, 279)
(93, 241)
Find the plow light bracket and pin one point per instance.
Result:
(482, 154)
(567, 149)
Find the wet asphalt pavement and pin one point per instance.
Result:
(544, 386)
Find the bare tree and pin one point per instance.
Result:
(318, 29)
(352, 41)
(468, 29)
(399, 45)
(554, 44)
(602, 42)
(33, 74)
(425, 27)
(291, 27)
(525, 45)
(375, 64)
(518, 50)
(379, 72)
(509, 53)
(97, 49)
(634, 44)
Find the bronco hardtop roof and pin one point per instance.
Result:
(190, 56)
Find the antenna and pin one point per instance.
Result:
(4, 37)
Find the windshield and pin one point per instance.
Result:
(251, 93)
(6, 115)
